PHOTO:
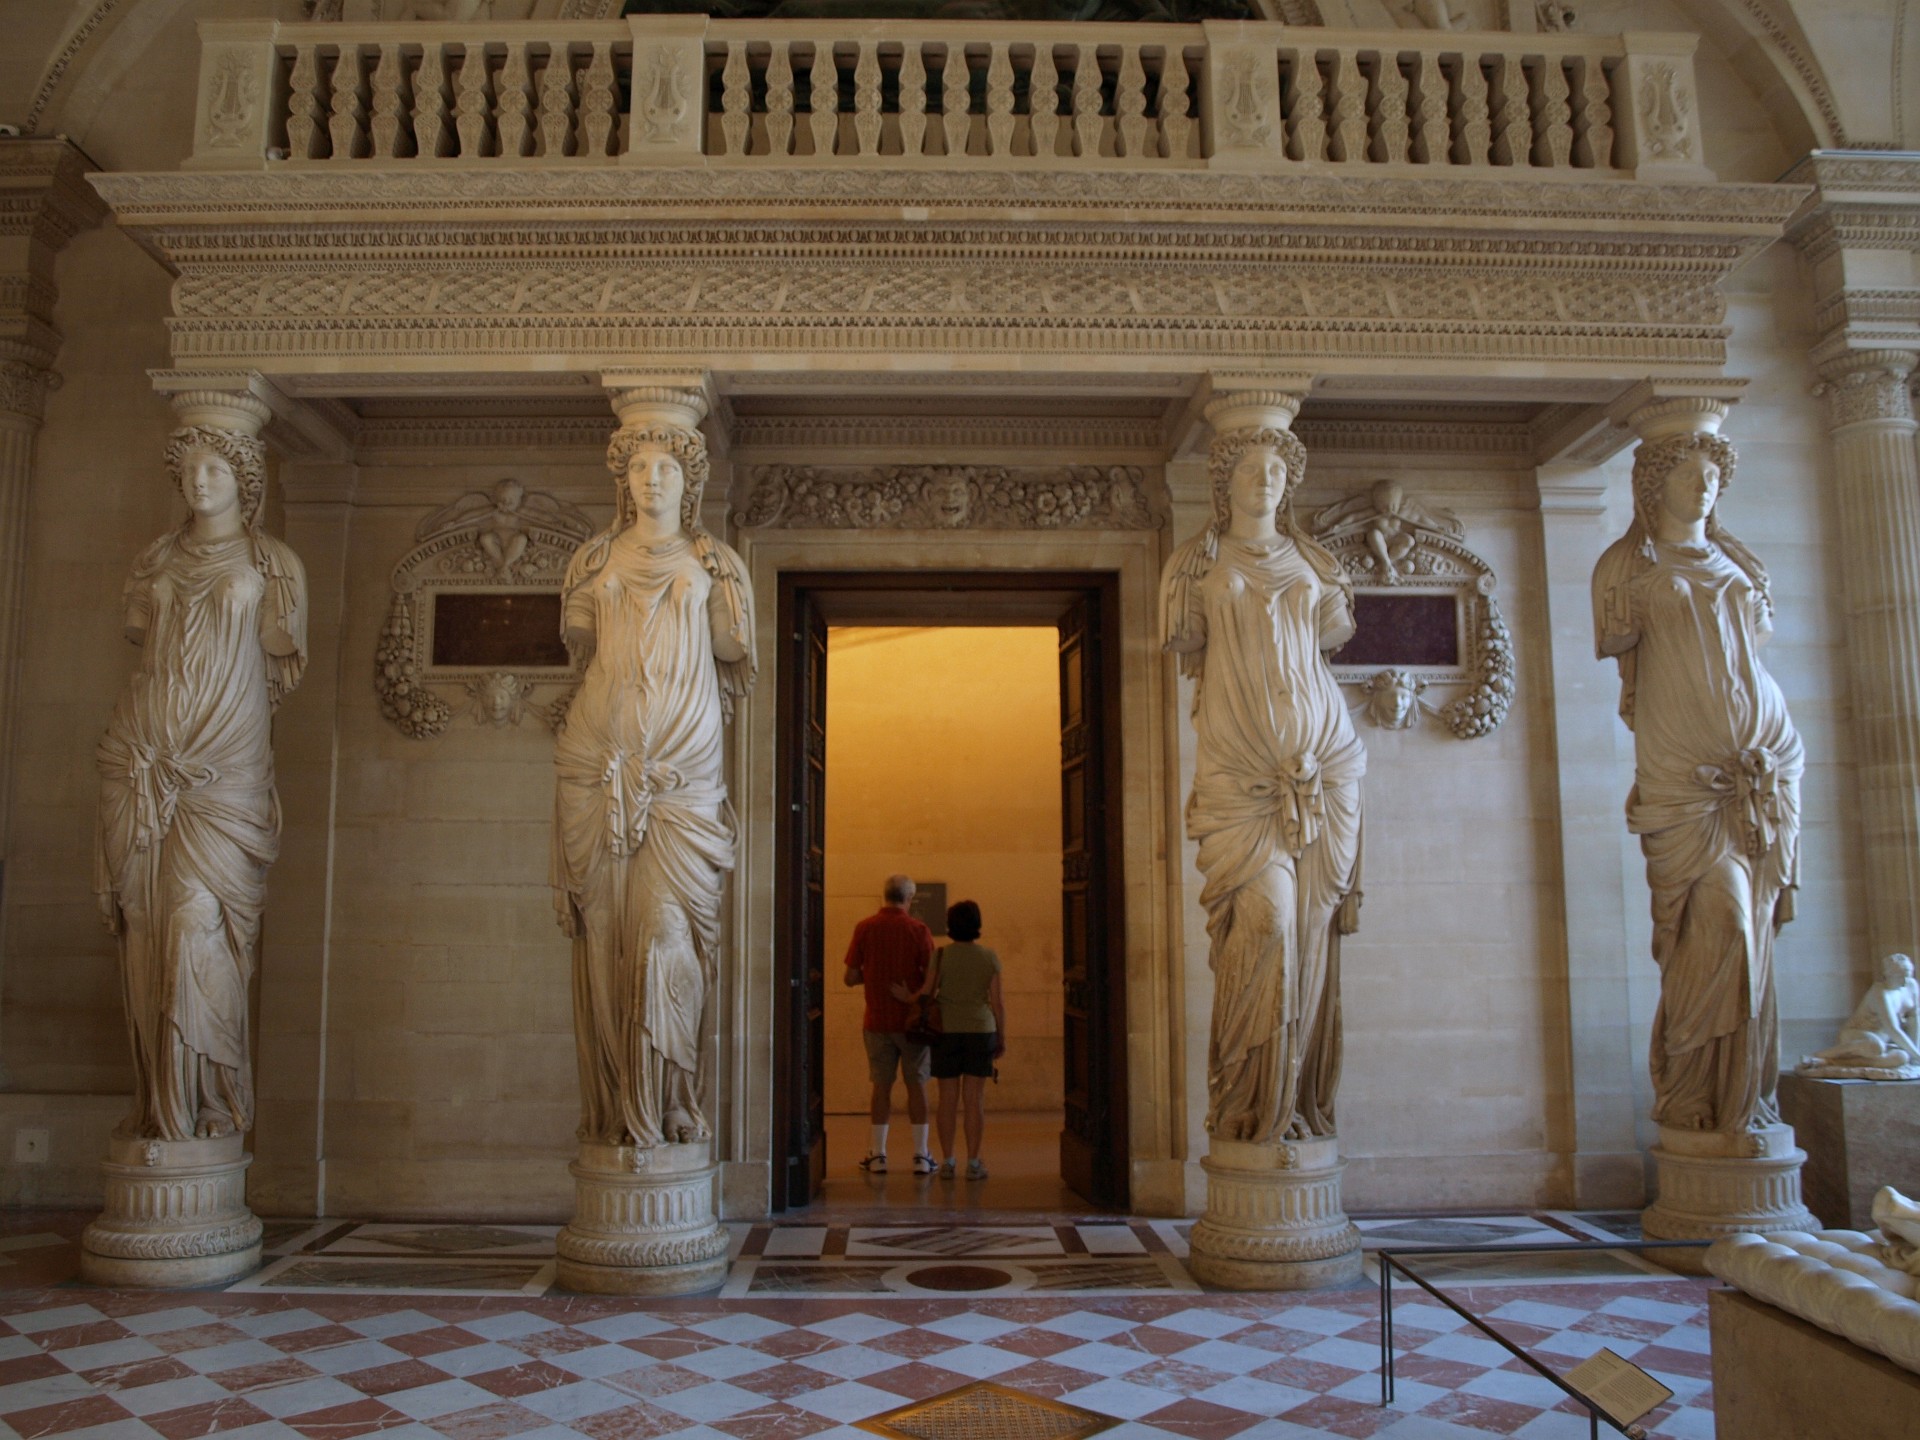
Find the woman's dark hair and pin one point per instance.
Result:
(963, 921)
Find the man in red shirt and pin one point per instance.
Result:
(891, 947)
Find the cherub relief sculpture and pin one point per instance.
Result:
(1683, 607)
(643, 834)
(1251, 605)
(1881, 1039)
(499, 519)
(1388, 518)
(189, 819)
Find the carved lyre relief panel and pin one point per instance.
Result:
(1425, 611)
(474, 626)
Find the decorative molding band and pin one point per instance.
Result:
(947, 433)
(1387, 436)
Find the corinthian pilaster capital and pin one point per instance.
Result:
(1864, 385)
(24, 388)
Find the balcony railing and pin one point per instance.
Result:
(674, 90)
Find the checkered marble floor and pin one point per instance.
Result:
(329, 1364)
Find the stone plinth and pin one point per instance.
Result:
(1775, 1377)
(1274, 1219)
(643, 1222)
(1858, 1135)
(176, 1216)
(1711, 1183)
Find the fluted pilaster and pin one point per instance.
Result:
(1877, 487)
(23, 394)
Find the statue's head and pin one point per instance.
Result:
(1896, 970)
(509, 495)
(196, 453)
(1681, 476)
(1267, 461)
(1393, 699)
(643, 460)
(1388, 497)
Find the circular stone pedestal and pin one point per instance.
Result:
(176, 1216)
(1274, 1219)
(643, 1222)
(1711, 1183)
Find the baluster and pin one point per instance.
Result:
(514, 91)
(303, 105)
(1043, 101)
(1176, 127)
(736, 99)
(1593, 119)
(470, 100)
(1306, 120)
(780, 100)
(824, 121)
(1513, 123)
(598, 101)
(556, 101)
(1471, 129)
(432, 99)
(1130, 103)
(389, 104)
(1349, 111)
(913, 100)
(1430, 139)
(1000, 100)
(956, 99)
(1553, 135)
(1087, 123)
(866, 97)
(1391, 126)
(346, 125)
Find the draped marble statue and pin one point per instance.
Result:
(1881, 1038)
(1251, 604)
(1683, 607)
(189, 821)
(643, 834)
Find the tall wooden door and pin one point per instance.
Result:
(800, 1106)
(1093, 1142)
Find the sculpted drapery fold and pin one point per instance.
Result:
(1251, 605)
(1683, 607)
(189, 819)
(643, 831)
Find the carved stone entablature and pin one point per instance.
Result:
(1392, 545)
(948, 497)
(506, 549)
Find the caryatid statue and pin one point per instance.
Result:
(189, 824)
(643, 833)
(189, 821)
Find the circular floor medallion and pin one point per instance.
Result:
(946, 1275)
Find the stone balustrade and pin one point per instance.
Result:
(680, 90)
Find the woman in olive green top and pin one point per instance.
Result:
(965, 979)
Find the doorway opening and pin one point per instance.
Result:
(962, 729)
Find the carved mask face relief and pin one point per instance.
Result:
(207, 481)
(1691, 487)
(947, 496)
(657, 483)
(1258, 483)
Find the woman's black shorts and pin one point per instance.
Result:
(969, 1052)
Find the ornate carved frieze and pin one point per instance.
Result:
(948, 497)
(946, 433)
(511, 546)
(1390, 544)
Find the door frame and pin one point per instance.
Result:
(974, 599)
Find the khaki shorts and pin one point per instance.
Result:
(888, 1050)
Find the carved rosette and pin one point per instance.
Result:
(175, 1216)
(948, 497)
(643, 1222)
(1274, 1218)
(1867, 385)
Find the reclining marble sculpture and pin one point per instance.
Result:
(1881, 1039)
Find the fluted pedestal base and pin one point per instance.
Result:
(176, 1216)
(1273, 1218)
(1711, 1183)
(643, 1222)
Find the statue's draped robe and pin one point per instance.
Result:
(643, 834)
(189, 821)
(1716, 804)
(1276, 810)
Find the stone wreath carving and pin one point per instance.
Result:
(948, 497)
(506, 539)
(1387, 541)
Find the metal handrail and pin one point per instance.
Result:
(1390, 1261)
